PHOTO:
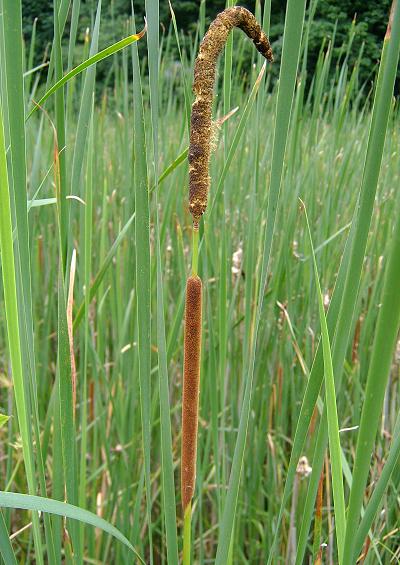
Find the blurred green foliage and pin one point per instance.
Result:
(332, 18)
(370, 21)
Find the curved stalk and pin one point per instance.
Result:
(201, 129)
(203, 85)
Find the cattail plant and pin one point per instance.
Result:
(199, 182)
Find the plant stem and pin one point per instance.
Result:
(195, 256)
(187, 532)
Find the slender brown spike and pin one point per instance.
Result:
(191, 384)
(203, 83)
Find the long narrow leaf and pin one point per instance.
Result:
(143, 277)
(86, 64)
(385, 334)
(290, 57)
(13, 333)
(344, 298)
(333, 426)
(377, 495)
(102, 271)
(167, 469)
(41, 504)
(6, 549)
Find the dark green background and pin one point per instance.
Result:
(371, 20)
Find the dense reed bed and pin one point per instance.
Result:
(112, 185)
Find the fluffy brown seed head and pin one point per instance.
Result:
(204, 77)
(191, 384)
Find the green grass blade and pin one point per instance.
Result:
(20, 332)
(186, 91)
(333, 426)
(84, 371)
(375, 501)
(76, 4)
(241, 128)
(344, 298)
(386, 328)
(92, 60)
(266, 366)
(170, 169)
(41, 202)
(167, 468)
(30, 68)
(85, 109)
(6, 549)
(68, 431)
(102, 271)
(60, 142)
(143, 276)
(42, 504)
(10, 299)
(290, 57)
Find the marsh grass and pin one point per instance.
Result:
(335, 144)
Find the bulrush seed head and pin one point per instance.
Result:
(203, 83)
(191, 383)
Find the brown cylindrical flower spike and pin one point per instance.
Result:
(204, 77)
(191, 384)
(199, 157)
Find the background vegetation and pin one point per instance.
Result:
(106, 176)
(332, 18)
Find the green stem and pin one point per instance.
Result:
(195, 256)
(187, 532)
